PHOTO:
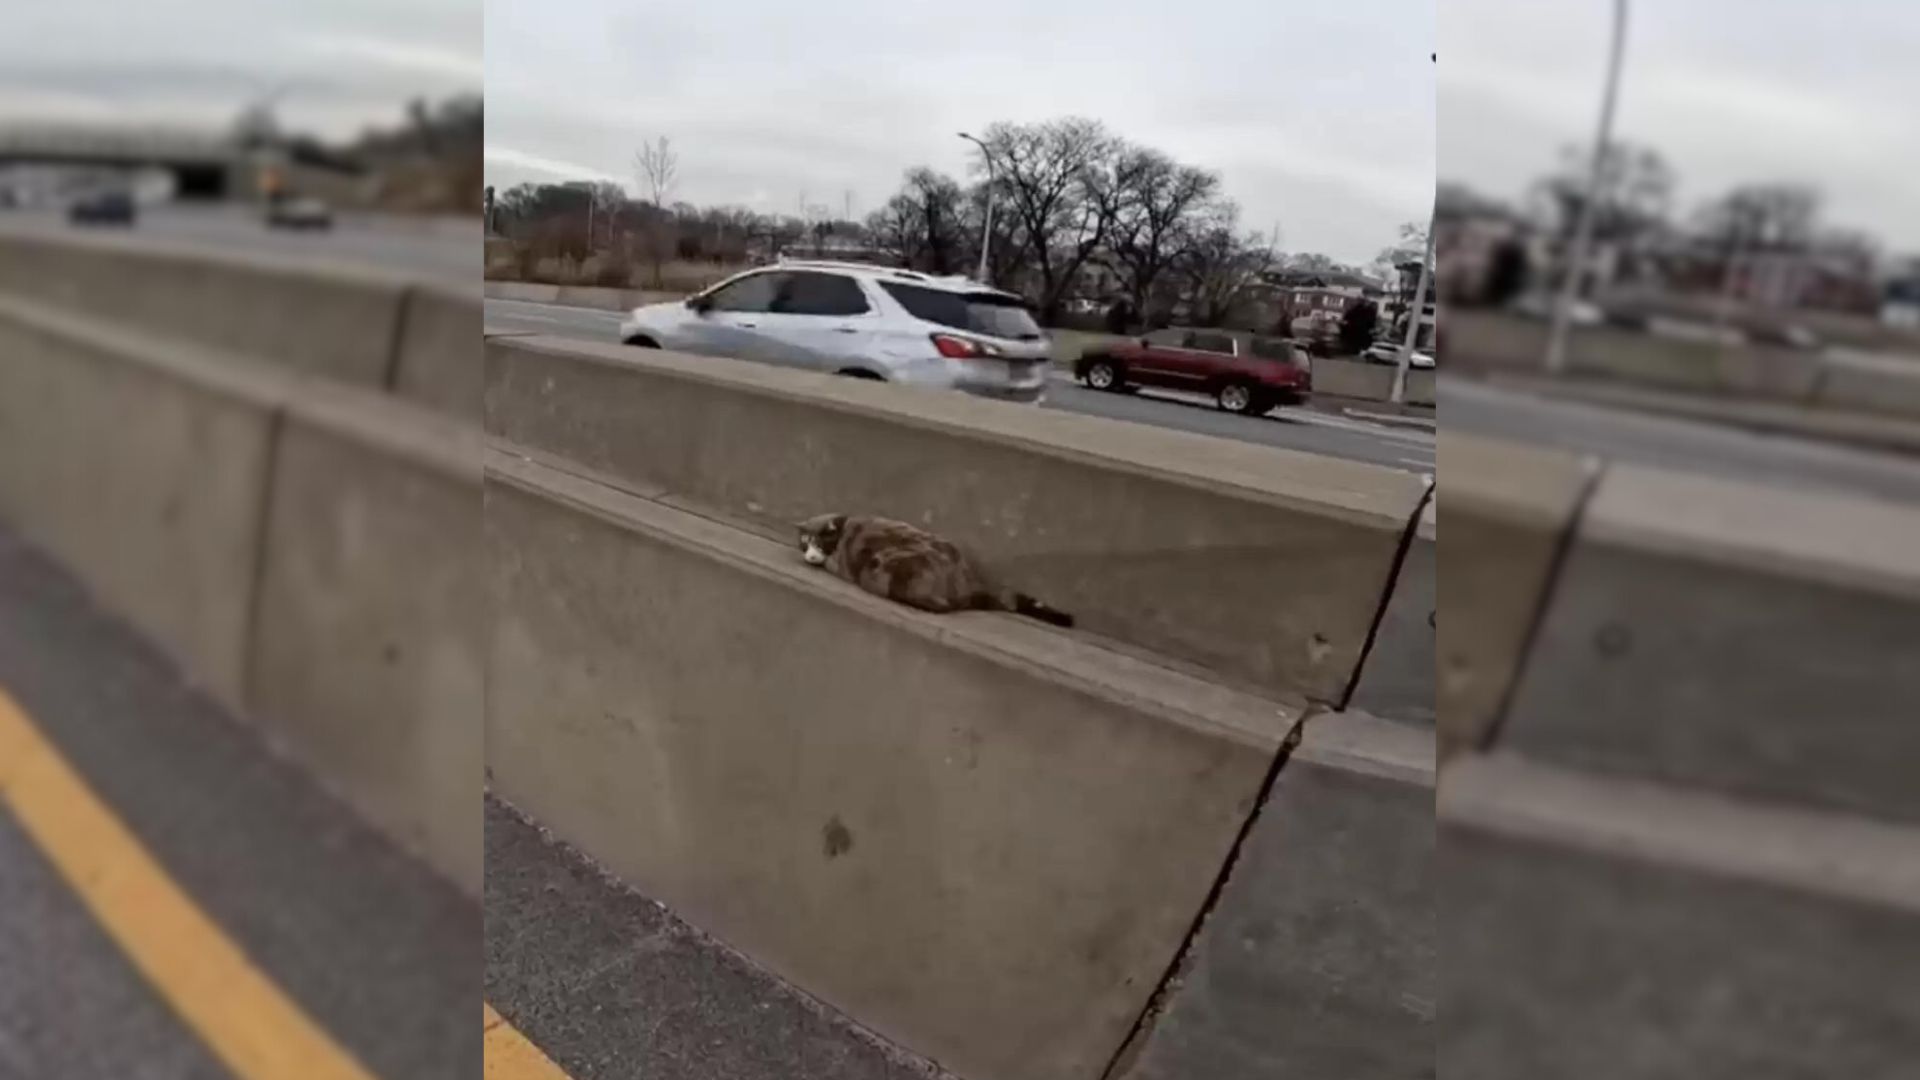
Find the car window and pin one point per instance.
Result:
(1273, 348)
(754, 293)
(810, 293)
(1219, 343)
(983, 312)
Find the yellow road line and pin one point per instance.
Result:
(507, 1055)
(256, 1030)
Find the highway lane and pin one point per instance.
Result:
(172, 888)
(1673, 443)
(430, 250)
(1406, 449)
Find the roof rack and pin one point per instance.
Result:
(842, 264)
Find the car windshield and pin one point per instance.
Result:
(993, 314)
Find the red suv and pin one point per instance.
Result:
(1242, 372)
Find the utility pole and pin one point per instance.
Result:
(1583, 227)
(1415, 312)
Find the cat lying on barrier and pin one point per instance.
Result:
(911, 566)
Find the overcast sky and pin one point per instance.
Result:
(1317, 116)
(343, 64)
(1728, 90)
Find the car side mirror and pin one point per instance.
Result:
(700, 304)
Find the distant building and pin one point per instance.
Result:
(1314, 301)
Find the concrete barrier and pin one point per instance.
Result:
(305, 549)
(531, 292)
(600, 297)
(1261, 566)
(336, 322)
(1420, 387)
(1320, 958)
(1352, 378)
(369, 632)
(144, 468)
(1509, 511)
(1718, 634)
(1606, 929)
(981, 838)
(1869, 383)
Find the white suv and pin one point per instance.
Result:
(868, 322)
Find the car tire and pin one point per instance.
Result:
(1106, 375)
(641, 342)
(859, 373)
(1237, 397)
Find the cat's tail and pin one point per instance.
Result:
(1022, 604)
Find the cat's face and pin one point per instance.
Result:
(820, 537)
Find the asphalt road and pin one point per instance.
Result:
(382, 954)
(1407, 449)
(1674, 443)
(433, 251)
(608, 983)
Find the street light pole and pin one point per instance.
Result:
(1583, 227)
(1416, 311)
(986, 230)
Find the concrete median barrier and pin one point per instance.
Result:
(1261, 566)
(1320, 958)
(369, 630)
(1749, 639)
(979, 837)
(335, 322)
(1510, 509)
(144, 469)
(304, 548)
(1610, 929)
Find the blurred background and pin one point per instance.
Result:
(1678, 258)
(249, 125)
(239, 485)
(1744, 231)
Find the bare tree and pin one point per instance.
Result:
(657, 167)
(1635, 195)
(1220, 263)
(1151, 226)
(1764, 217)
(1056, 179)
(925, 222)
(1411, 247)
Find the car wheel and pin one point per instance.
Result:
(1102, 375)
(859, 373)
(642, 342)
(1238, 398)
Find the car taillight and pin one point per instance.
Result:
(954, 347)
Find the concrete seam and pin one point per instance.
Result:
(1134, 1043)
(396, 340)
(1407, 537)
(257, 573)
(1562, 551)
